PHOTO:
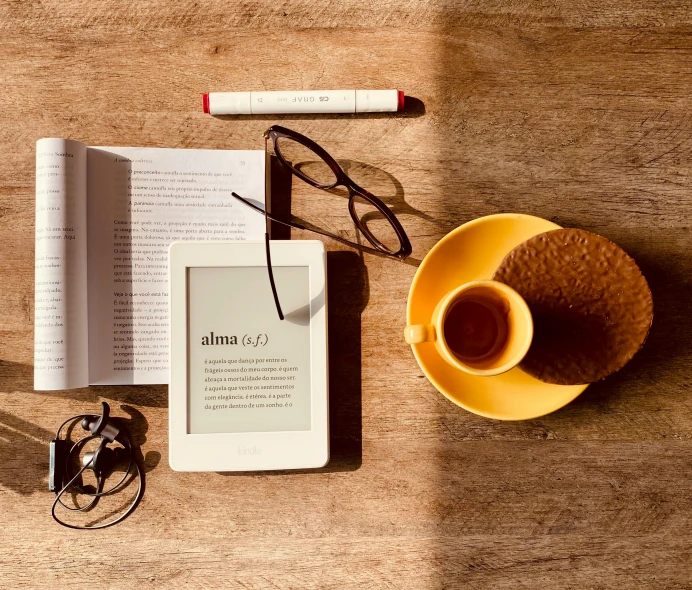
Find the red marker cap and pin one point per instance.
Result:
(205, 103)
(400, 100)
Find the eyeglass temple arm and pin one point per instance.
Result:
(271, 277)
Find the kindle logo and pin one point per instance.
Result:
(249, 451)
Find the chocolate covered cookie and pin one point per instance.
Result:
(591, 305)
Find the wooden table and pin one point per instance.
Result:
(579, 112)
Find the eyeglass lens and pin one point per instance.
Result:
(303, 160)
(374, 221)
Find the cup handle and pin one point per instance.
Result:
(419, 333)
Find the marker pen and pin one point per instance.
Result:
(303, 101)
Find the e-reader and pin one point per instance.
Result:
(248, 391)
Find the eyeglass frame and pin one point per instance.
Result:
(275, 132)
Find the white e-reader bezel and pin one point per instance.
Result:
(246, 451)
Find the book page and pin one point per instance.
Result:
(140, 200)
(60, 297)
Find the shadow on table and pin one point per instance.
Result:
(23, 455)
(347, 294)
(513, 496)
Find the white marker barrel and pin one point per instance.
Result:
(303, 101)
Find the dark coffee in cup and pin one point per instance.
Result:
(476, 327)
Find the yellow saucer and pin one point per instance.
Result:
(469, 253)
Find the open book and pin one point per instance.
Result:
(105, 217)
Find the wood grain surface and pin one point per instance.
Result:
(577, 111)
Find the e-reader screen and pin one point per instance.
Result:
(248, 370)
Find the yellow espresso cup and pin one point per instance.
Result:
(482, 327)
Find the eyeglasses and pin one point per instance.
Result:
(311, 163)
